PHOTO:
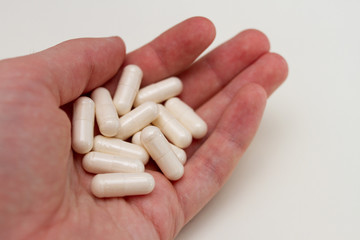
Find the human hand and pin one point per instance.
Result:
(45, 193)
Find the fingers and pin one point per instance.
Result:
(174, 50)
(269, 71)
(72, 67)
(211, 73)
(214, 161)
(233, 116)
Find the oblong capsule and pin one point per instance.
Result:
(97, 162)
(83, 125)
(105, 112)
(159, 91)
(160, 151)
(172, 128)
(122, 184)
(127, 88)
(180, 153)
(135, 139)
(187, 116)
(137, 119)
(121, 148)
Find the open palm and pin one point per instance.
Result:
(45, 193)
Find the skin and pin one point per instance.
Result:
(45, 193)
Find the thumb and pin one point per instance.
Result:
(69, 68)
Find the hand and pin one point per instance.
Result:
(44, 190)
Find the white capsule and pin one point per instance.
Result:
(97, 162)
(121, 148)
(122, 184)
(127, 88)
(180, 153)
(160, 151)
(187, 116)
(172, 128)
(137, 119)
(105, 112)
(135, 139)
(83, 125)
(159, 91)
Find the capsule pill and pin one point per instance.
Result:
(105, 112)
(122, 184)
(127, 88)
(121, 148)
(83, 125)
(180, 153)
(159, 149)
(97, 162)
(159, 91)
(172, 128)
(137, 119)
(187, 116)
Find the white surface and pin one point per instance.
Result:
(300, 178)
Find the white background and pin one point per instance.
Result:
(300, 178)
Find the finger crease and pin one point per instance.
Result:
(162, 61)
(220, 82)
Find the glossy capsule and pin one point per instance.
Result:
(127, 88)
(159, 91)
(105, 112)
(137, 119)
(160, 151)
(172, 128)
(122, 184)
(187, 117)
(135, 139)
(83, 125)
(121, 148)
(180, 153)
(97, 162)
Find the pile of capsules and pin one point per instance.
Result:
(135, 125)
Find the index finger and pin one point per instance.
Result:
(174, 50)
